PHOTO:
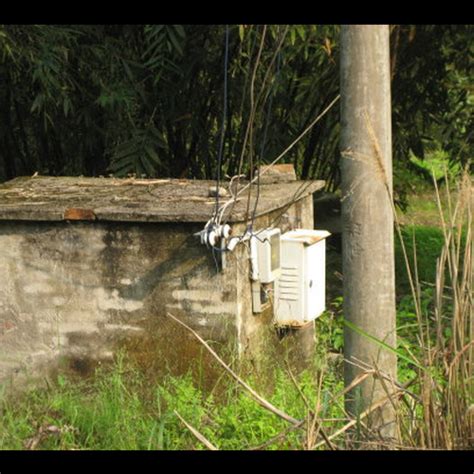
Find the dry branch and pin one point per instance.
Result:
(264, 403)
(196, 433)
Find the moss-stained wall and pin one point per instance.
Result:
(78, 291)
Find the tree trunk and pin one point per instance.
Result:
(368, 251)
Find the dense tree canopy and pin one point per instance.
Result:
(148, 99)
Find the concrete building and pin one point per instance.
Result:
(88, 265)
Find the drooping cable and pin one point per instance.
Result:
(224, 118)
(221, 143)
(278, 158)
(262, 89)
(264, 139)
(253, 112)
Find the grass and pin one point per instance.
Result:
(442, 415)
(423, 245)
(119, 409)
(426, 240)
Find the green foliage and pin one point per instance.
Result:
(148, 99)
(120, 409)
(139, 155)
(427, 241)
(416, 175)
(330, 327)
(408, 342)
(423, 245)
(437, 165)
(432, 98)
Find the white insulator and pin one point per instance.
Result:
(226, 231)
(212, 238)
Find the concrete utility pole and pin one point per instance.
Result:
(368, 253)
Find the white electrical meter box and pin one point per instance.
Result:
(267, 248)
(300, 291)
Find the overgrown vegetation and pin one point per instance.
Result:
(120, 408)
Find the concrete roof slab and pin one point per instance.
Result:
(46, 198)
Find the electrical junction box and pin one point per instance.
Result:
(266, 255)
(300, 291)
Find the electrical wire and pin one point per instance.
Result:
(221, 144)
(224, 118)
(232, 163)
(278, 158)
(264, 139)
(252, 108)
(299, 193)
(217, 217)
(252, 112)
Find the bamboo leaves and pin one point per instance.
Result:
(97, 86)
(139, 155)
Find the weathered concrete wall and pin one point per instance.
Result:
(78, 291)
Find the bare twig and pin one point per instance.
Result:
(366, 413)
(313, 431)
(196, 433)
(278, 437)
(298, 388)
(44, 432)
(370, 370)
(264, 403)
